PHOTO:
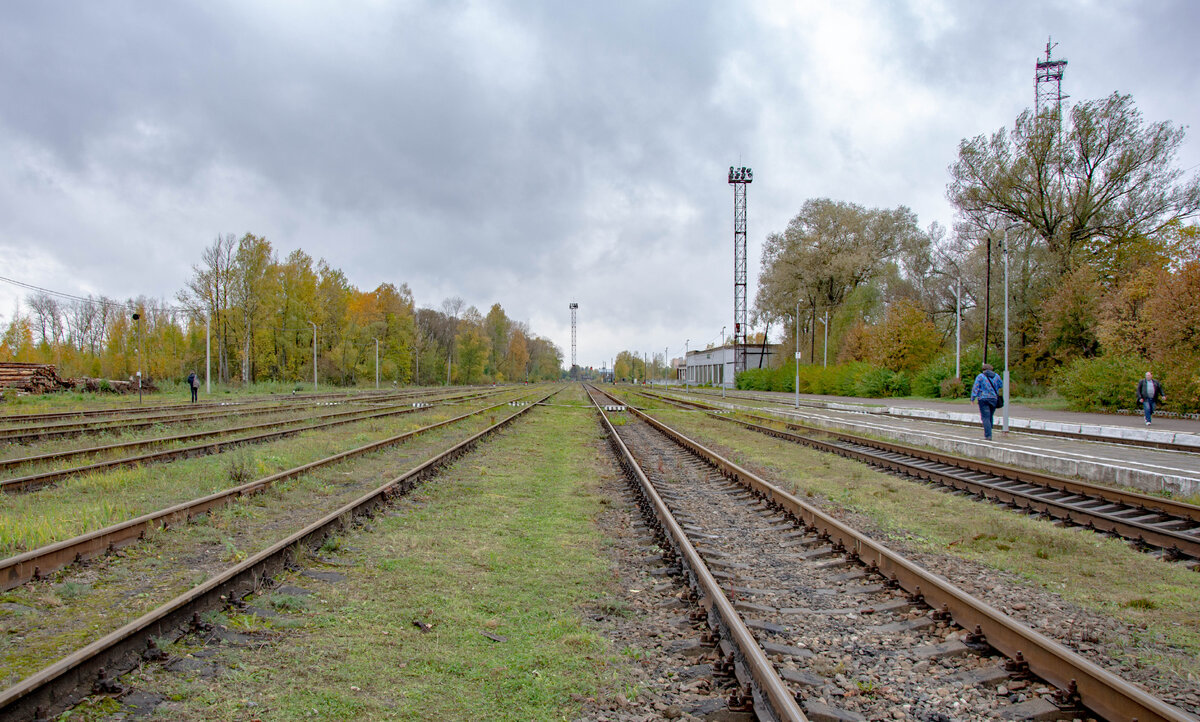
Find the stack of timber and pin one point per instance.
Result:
(30, 378)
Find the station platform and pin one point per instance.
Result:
(1078, 448)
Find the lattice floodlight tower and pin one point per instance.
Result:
(1047, 84)
(739, 178)
(574, 308)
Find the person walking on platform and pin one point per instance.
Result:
(986, 391)
(193, 382)
(1149, 393)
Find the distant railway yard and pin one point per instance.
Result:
(567, 551)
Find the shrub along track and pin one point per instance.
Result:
(155, 419)
(95, 665)
(28, 482)
(1150, 522)
(875, 655)
(766, 396)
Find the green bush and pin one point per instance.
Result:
(953, 388)
(1104, 383)
(928, 379)
(875, 383)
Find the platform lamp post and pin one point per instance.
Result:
(722, 362)
(138, 317)
(1007, 391)
(310, 323)
(686, 369)
(825, 343)
(208, 352)
(797, 386)
(376, 364)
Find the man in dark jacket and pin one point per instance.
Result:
(986, 391)
(193, 382)
(1149, 393)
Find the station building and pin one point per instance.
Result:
(714, 366)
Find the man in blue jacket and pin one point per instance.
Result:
(986, 391)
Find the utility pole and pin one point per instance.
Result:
(376, 364)
(797, 386)
(825, 343)
(958, 328)
(137, 317)
(1007, 395)
(208, 352)
(686, 368)
(987, 297)
(310, 323)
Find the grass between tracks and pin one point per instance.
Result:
(1098, 573)
(81, 504)
(501, 544)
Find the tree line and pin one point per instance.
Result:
(1086, 214)
(261, 313)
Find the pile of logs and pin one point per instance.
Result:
(30, 378)
(43, 378)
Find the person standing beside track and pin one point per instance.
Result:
(1149, 393)
(986, 391)
(194, 384)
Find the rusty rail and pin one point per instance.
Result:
(60, 685)
(21, 568)
(767, 686)
(1099, 690)
(37, 480)
(1180, 542)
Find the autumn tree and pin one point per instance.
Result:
(1084, 189)
(905, 340)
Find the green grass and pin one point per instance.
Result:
(502, 543)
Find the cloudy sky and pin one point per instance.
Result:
(526, 153)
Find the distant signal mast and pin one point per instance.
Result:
(739, 178)
(1047, 84)
(574, 308)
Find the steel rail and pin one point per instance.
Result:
(35, 563)
(63, 683)
(23, 434)
(1101, 691)
(767, 685)
(1081, 436)
(196, 435)
(134, 410)
(107, 424)
(37, 480)
(1107, 509)
(1138, 517)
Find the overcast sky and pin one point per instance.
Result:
(526, 153)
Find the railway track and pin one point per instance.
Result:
(95, 666)
(37, 563)
(32, 481)
(804, 605)
(1033, 431)
(121, 411)
(1165, 526)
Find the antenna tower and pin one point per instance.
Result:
(739, 178)
(574, 308)
(1047, 84)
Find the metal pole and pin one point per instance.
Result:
(797, 387)
(208, 352)
(376, 364)
(958, 329)
(987, 298)
(137, 317)
(825, 343)
(686, 369)
(666, 352)
(722, 362)
(310, 323)
(1007, 394)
